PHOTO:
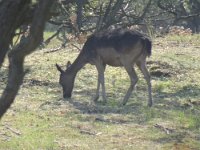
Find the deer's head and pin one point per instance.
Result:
(66, 80)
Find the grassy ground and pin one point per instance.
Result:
(41, 119)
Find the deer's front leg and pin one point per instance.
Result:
(97, 91)
(101, 78)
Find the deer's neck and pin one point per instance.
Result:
(77, 64)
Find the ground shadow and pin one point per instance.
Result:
(178, 98)
(100, 108)
(175, 137)
(161, 69)
(35, 82)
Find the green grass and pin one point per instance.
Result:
(41, 119)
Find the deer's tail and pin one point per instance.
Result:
(147, 46)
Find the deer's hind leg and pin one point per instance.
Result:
(133, 77)
(141, 63)
(100, 68)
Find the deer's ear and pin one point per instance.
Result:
(68, 64)
(59, 68)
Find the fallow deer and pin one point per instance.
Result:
(119, 47)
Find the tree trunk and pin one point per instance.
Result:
(79, 13)
(11, 16)
(17, 55)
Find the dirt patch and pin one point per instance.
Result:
(160, 69)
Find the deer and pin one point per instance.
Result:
(117, 48)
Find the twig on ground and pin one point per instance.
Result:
(166, 130)
(54, 50)
(12, 130)
(90, 133)
(87, 132)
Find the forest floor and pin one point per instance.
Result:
(41, 119)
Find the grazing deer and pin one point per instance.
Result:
(119, 47)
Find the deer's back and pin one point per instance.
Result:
(113, 46)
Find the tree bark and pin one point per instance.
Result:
(80, 4)
(11, 17)
(17, 55)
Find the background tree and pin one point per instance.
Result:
(184, 12)
(94, 15)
